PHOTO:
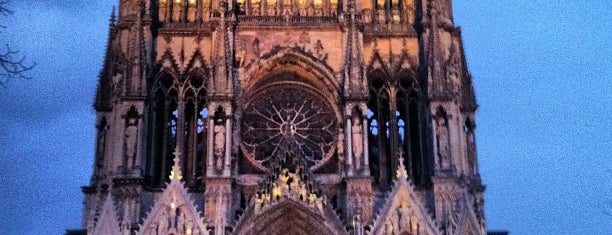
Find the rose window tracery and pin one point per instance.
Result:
(282, 119)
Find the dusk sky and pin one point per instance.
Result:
(542, 72)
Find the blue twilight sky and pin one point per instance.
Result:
(543, 76)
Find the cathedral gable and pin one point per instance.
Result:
(403, 211)
(107, 223)
(174, 212)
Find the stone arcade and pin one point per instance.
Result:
(284, 117)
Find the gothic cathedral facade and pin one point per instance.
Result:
(284, 117)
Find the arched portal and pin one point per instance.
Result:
(288, 217)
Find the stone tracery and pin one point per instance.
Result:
(288, 118)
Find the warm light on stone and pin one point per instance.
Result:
(297, 113)
(276, 192)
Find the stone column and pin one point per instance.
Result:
(210, 146)
(349, 147)
(228, 139)
(366, 150)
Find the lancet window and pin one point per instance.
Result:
(178, 121)
(378, 135)
(408, 116)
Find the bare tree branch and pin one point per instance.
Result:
(12, 65)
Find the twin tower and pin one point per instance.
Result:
(284, 117)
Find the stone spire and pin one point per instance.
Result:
(103, 95)
(353, 61)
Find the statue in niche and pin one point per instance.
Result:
(404, 217)
(443, 145)
(189, 227)
(117, 79)
(310, 11)
(367, 16)
(131, 134)
(163, 11)
(181, 223)
(125, 228)
(302, 9)
(163, 224)
(320, 51)
(287, 13)
(219, 143)
(172, 219)
(409, 6)
(256, 49)
(357, 141)
(381, 18)
(102, 131)
(271, 9)
(388, 228)
(176, 13)
(191, 16)
(395, 16)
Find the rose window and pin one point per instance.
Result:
(284, 119)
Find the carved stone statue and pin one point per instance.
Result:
(131, 134)
(219, 145)
(163, 223)
(357, 141)
(125, 228)
(443, 145)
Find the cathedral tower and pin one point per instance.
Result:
(284, 117)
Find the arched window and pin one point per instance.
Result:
(410, 134)
(195, 114)
(178, 122)
(378, 115)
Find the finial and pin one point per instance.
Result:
(113, 16)
(401, 170)
(176, 169)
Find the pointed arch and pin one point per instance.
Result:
(409, 118)
(377, 64)
(289, 217)
(292, 60)
(179, 118)
(379, 116)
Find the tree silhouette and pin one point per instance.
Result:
(12, 64)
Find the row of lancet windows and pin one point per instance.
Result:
(394, 114)
(179, 122)
(185, 11)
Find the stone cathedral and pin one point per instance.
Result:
(284, 117)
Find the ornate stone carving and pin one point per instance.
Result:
(443, 145)
(279, 120)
